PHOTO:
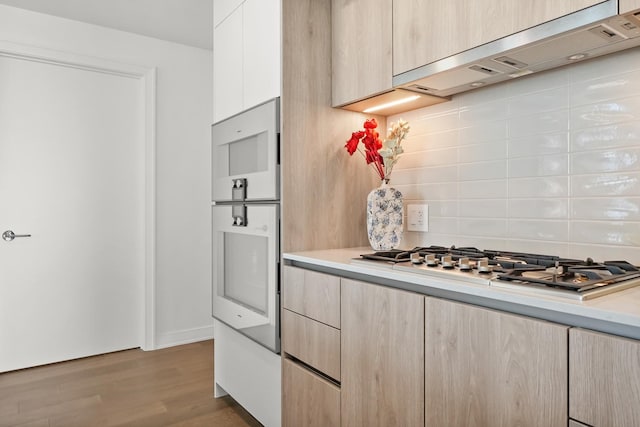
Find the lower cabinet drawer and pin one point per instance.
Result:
(308, 399)
(314, 343)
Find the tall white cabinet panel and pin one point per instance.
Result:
(246, 56)
(261, 51)
(227, 67)
(222, 9)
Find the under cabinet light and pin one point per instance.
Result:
(393, 101)
(392, 104)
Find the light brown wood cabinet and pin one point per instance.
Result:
(361, 49)
(574, 423)
(310, 348)
(312, 294)
(312, 342)
(485, 367)
(425, 31)
(604, 379)
(382, 356)
(308, 400)
(629, 5)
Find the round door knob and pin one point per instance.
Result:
(9, 235)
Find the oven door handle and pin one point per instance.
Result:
(239, 215)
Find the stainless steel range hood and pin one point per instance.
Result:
(591, 32)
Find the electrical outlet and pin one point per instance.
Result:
(417, 217)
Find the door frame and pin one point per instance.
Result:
(147, 76)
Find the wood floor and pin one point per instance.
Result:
(168, 387)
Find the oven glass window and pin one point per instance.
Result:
(246, 272)
(248, 155)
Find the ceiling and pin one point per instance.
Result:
(188, 22)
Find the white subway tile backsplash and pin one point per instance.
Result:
(430, 175)
(479, 96)
(446, 225)
(422, 159)
(483, 208)
(605, 88)
(440, 191)
(483, 132)
(448, 173)
(537, 102)
(483, 170)
(606, 208)
(430, 141)
(538, 229)
(605, 232)
(437, 121)
(481, 242)
(557, 164)
(604, 252)
(610, 136)
(439, 208)
(606, 112)
(483, 152)
(548, 163)
(541, 187)
(538, 123)
(613, 160)
(596, 68)
(539, 145)
(539, 247)
(557, 78)
(606, 185)
(482, 227)
(482, 113)
(417, 238)
(495, 189)
(539, 208)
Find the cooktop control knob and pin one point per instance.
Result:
(483, 265)
(430, 260)
(416, 258)
(447, 261)
(463, 264)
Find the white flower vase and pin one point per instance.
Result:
(384, 217)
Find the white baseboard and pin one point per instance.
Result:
(185, 336)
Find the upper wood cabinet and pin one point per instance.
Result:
(425, 31)
(629, 5)
(361, 49)
(604, 379)
(488, 368)
(382, 345)
(246, 57)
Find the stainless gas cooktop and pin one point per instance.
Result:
(532, 273)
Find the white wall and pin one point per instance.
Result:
(184, 112)
(548, 163)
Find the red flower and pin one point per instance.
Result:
(370, 124)
(352, 144)
(373, 145)
(371, 140)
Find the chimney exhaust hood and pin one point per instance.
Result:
(588, 33)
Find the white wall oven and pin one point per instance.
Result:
(246, 223)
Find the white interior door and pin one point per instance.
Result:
(72, 176)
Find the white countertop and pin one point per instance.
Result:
(617, 313)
